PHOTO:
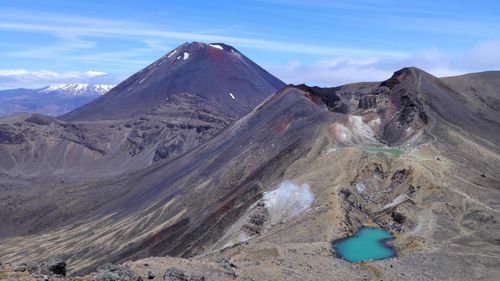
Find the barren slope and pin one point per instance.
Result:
(272, 191)
(173, 105)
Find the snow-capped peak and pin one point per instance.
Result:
(77, 89)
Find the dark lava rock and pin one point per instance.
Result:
(227, 265)
(151, 275)
(39, 119)
(166, 151)
(58, 268)
(43, 268)
(8, 135)
(366, 102)
(398, 217)
(396, 78)
(174, 274)
(112, 272)
(255, 224)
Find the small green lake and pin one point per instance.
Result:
(368, 243)
(393, 151)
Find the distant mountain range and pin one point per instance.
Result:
(76, 89)
(51, 100)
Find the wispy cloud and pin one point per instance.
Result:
(94, 27)
(66, 45)
(343, 70)
(394, 9)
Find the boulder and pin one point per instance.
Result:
(112, 272)
(58, 268)
(175, 274)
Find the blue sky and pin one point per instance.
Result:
(317, 42)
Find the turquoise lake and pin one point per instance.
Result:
(368, 243)
(393, 151)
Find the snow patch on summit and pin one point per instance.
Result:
(216, 46)
(185, 56)
(232, 96)
(172, 53)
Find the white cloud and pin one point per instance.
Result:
(92, 73)
(328, 72)
(14, 78)
(343, 70)
(485, 54)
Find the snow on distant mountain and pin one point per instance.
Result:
(50, 100)
(77, 89)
